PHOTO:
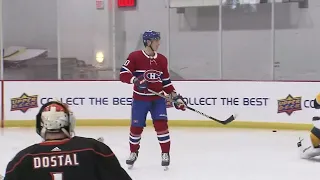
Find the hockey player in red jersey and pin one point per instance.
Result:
(147, 69)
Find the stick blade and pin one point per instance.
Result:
(229, 120)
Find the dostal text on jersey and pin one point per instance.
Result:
(55, 161)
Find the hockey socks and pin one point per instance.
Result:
(134, 138)
(161, 127)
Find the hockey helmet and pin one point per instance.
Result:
(55, 117)
(150, 35)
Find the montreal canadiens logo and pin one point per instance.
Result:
(152, 76)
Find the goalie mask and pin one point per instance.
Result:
(55, 117)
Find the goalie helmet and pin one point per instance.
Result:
(55, 117)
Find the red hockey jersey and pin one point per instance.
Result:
(154, 69)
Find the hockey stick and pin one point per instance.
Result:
(227, 121)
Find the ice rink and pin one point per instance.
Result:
(196, 153)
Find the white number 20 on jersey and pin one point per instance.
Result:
(57, 176)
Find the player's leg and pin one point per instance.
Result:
(310, 146)
(139, 111)
(160, 122)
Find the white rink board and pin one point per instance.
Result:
(1, 100)
(81, 96)
(207, 96)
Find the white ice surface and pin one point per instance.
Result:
(196, 154)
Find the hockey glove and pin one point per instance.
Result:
(140, 83)
(179, 103)
(169, 104)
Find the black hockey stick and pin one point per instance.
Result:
(227, 121)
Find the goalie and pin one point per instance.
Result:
(310, 146)
(62, 155)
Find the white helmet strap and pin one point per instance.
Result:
(44, 131)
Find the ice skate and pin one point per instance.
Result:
(132, 159)
(165, 161)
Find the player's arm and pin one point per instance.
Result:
(169, 88)
(108, 164)
(13, 171)
(166, 81)
(126, 74)
(127, 69)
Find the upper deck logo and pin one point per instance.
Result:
(24, 103)
(289, 104)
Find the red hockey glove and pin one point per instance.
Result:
(179, 103)
(141, 83)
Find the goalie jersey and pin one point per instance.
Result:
(77, 158)
(153, 69)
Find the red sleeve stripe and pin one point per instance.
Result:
(56, 153)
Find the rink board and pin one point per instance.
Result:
(284, 105)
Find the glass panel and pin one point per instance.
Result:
(131, 23)
(127, 35)
(194, 43)
(85, 33)
(297, 41)
(30, 39)
(247, 38)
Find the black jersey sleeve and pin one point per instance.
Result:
(108, 164)
(15, 169)
(12, 171)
